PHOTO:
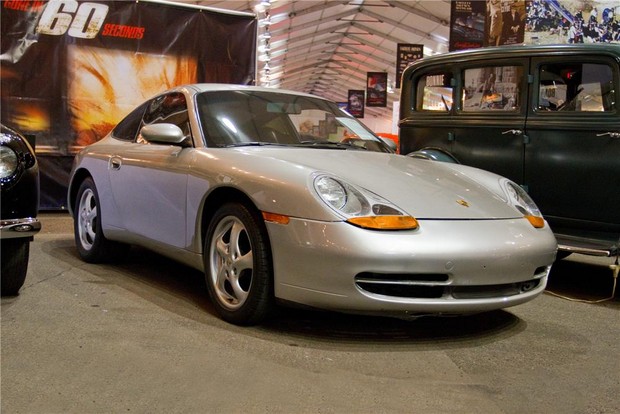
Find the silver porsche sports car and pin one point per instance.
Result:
(280, 196)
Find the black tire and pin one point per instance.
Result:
(92, 245)
(15, 254)
(238, 265)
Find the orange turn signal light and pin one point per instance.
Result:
(536, 221)
(385, 222)
(276, 218)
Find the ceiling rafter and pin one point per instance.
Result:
(283, 53)
(317, 7)
(313, 24)
(400, 25)
(417, 12)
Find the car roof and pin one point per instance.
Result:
(517, 51)
(217, 87)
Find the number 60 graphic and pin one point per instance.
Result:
(58, 17)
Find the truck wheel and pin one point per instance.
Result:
(15, 254)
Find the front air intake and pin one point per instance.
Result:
(408, 285)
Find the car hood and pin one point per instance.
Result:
(424, 189)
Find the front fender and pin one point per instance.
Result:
(434, 154)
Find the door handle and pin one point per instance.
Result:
(513, 132)
(115, 163)
(611, 134)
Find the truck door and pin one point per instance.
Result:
(426, 111)
(572, 163)
(491, 112)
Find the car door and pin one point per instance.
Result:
(572, 164)
(491, 113)
(149, 180)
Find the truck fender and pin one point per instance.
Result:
(434, 154)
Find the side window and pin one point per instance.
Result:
(127, 129)
(434, 92)
(576, 87)
(169, 109)
(492, 88)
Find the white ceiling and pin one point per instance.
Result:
(326, 47)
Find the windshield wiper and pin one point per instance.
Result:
(331, 145)
(250, 144)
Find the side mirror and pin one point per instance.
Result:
(163, 133)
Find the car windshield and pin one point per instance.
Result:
(244, 118)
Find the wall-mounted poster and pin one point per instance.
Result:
(505, 22)
(376, 89)
(467, 20)
(476, 24)
(356, 103)
(406, 54)
(72, 69)
(564, 21)
(513, 27)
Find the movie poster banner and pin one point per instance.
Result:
(505, 23)
(355, 103)
(376, 89)
(72, 69)
(467, 23)
(406, 54)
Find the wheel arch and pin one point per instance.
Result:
(76, 180)
(220, 196)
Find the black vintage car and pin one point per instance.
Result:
(19, 179)
(546, 116)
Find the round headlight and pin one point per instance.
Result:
(522, 201)
(524, 204)
(8, 162)
(332, 192)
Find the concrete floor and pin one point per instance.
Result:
(142, 337)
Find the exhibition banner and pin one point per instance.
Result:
(505, 22)
(564, 21)
(406, 54)
(467, 22)
(476, 24)
(72, 69)
(356, 103)
(376, 89)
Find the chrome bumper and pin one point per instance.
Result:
(22, 227)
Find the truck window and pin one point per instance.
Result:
(576, 87)
(493, 88)
(434, 92)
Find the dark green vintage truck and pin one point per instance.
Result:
(547, 117)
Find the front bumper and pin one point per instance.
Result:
(18, 228)
(444, 267)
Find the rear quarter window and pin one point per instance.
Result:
(434, 92)
(127, 129)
